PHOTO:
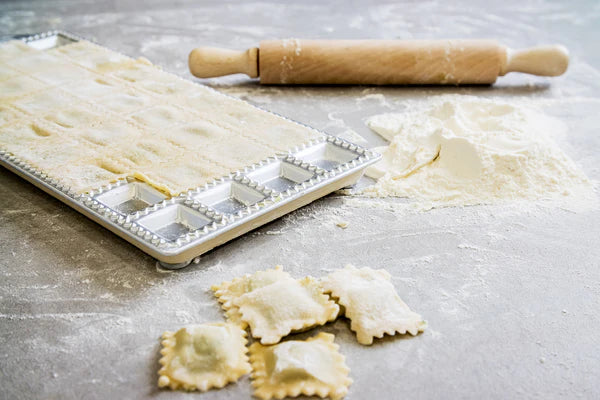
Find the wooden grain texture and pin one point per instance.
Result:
(380, 62)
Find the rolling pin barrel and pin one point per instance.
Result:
(379, 62)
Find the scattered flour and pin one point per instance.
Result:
(458, 150)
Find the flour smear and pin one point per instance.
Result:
(457, 150)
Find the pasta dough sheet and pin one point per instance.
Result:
(87, 116)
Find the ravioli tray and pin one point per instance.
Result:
(175, 230)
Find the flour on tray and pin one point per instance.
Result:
(464, 150)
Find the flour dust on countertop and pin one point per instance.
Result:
(459, 150)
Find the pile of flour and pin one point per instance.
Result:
(465, 150)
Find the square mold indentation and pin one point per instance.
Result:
(50, 41)
(132, 197)
(174, 221)
(229, 197)
(280, 176)
(326, 156)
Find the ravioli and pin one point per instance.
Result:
(201, 357)
(285, 306)
(310, 367)
(371, 303)
(228, 292)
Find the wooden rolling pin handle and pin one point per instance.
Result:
(380, 62)
(209, 62)
(542, 61)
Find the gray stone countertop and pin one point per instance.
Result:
(511, 293)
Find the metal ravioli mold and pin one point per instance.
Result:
(177, 229)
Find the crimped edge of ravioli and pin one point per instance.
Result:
(265, 390)
(213, 380)
(224, 296)
(329, 313)
(366, 336)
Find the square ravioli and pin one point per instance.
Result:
(25, 134)
(88, 174)
(285, 306)
(371, 303)
(201, 357)
(180, 175)
(61, 73)
(92, 56)
(126, 101)
(110, 133)
(8, 115)
(280, 133)
(19, 86)
(162, 117)
(169, 87)
(91, 89)
(41, 154)
(241, 152)
(36, 61)
(75, 116)
(139, 70)
(197, 135)
(6, 72)
(310, 367)
(45, 101)
(13, 49)
(228, 292)
(149, 152)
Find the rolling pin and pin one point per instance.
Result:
(378, 62)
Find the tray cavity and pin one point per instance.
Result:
(229, 197)
(174, 221)
(280, 176)
(326, 156)
(45, 42)
(130, 198)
